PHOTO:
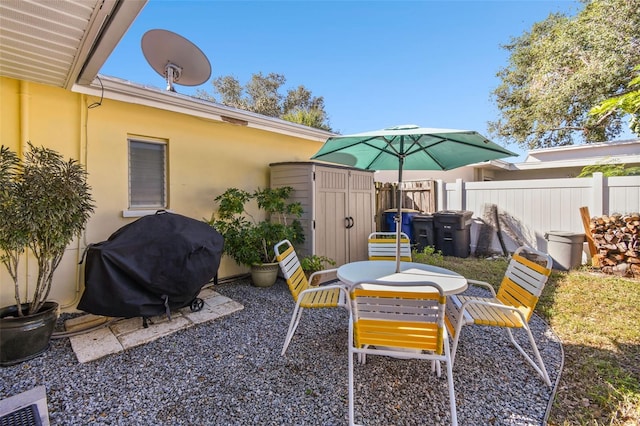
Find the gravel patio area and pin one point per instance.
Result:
(229, 372)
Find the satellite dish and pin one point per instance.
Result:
(175, 58)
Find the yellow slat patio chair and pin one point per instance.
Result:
(382, 246)
(304, 294)
(511, 307)
(400, 323)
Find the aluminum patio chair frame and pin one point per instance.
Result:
(304, 294)
(388, 322)
(511, 307)
(382, 246)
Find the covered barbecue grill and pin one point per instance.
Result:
(151, 266)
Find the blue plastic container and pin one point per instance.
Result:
(407, 217)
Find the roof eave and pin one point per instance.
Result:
(126, 91)
(495, 164)
(109, 24)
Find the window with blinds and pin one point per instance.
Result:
(147, 174)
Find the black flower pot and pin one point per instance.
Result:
(24, 338)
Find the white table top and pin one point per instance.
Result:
(451, 282)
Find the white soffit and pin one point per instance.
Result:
(59, 43)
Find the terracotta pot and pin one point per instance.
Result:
(264, 275)
(24, 338)
(316, 280)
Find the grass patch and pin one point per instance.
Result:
(597, 317)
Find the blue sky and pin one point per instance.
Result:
(376, 63)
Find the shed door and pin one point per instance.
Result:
(362, 213)
(331, 213)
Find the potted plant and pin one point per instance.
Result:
(314, 263)
(44, 203)
(249, 240)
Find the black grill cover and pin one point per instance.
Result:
(157, 258)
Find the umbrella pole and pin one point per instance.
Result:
(399, 215)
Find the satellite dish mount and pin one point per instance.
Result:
(172, 73)
(175, 58)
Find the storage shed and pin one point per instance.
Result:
(338, 204)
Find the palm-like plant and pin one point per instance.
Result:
(13, 232)
(45, 202)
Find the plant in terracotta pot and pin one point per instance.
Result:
(45, 202)
(249, 240)
(314, 263)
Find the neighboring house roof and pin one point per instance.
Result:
(613, 152)
(592, 150)
(61, 43)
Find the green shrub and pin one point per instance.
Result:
(250, 241)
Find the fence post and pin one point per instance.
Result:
(597, 194)
(460, 195)
(441, 196)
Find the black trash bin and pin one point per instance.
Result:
(453, 232)
(423, 235)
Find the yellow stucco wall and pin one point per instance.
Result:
(204, 158)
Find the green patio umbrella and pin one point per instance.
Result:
(409, 147)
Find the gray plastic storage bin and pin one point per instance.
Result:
(565, 248)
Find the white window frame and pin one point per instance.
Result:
(136, 207)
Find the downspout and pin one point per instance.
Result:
(81, 241)
(24, 97)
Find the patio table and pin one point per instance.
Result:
(410, 272)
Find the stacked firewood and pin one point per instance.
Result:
(617, 240)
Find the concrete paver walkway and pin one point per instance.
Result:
(128, 333)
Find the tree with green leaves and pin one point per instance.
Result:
(627, 103)
(609, 170)
(262, 95)
(311, 118)
(560, 69)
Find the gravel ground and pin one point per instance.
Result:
(230, 372)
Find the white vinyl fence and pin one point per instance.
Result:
(528, 209)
